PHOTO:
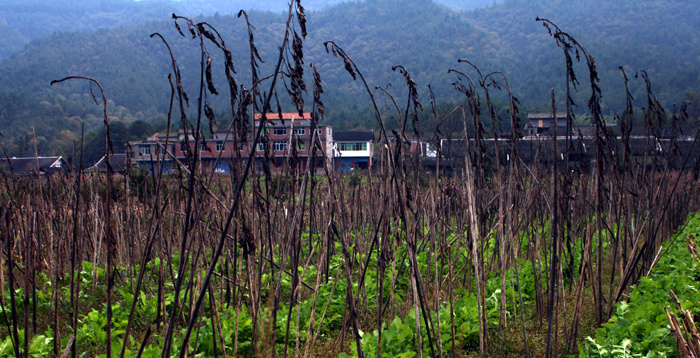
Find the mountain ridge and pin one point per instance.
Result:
(24, 20)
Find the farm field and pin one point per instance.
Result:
(357, 251)
(499, 257)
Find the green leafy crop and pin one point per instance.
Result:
(639, 327)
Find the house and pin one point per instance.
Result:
(539, 123)
(118, 160)
(353, 149)
(422, 149)
(42, 165)
(159, 149)
(285, 141)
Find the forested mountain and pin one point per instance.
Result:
(24, 20)
(659, 36)
(424, 37)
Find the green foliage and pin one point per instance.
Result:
(354, 179)
(399, 337)
(41, 345)
(642, 319)
(91, 333)
(638, 328)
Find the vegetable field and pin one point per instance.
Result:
(501, 257)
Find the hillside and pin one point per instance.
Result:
(424, 37)
(24, 20)
(661, 37)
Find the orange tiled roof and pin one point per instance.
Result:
(285, 116)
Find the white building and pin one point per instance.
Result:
(353, 149)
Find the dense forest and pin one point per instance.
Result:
(24, 20)
(425, 37)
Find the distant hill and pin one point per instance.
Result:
(424, 37)
(661, 37)
(24, 20)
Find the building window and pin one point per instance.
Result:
(320, 131)
(204, 147)
(264, 131)
(301, 145)
(261, 147)
(183, 147)
(280, 131)
(352, 146)
(219, 146)
(280, 146)
(162, 150)
(145, 150)
(300, 131)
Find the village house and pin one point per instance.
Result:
(542, 123)
(28, 165)
(353, 150)
(117, 160)
(285, 141)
